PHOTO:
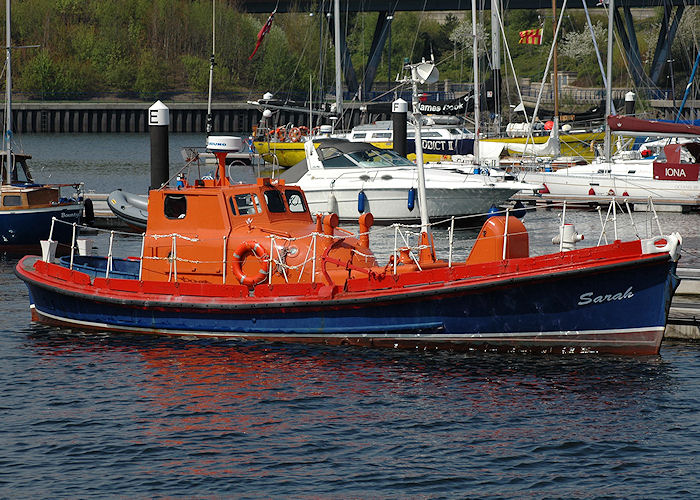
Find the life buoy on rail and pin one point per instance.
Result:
(295, 134)
(281, 132)
(240, 254)
(304, 130)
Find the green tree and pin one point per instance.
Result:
(151, 75)
(41, 77)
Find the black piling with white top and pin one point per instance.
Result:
(399, 113)
(630, 99)
(158, 122)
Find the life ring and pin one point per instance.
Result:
(281, 133)
(315, 130)
(295, 134)
(240, 254)
(304, 130)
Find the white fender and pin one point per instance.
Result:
(670, 244)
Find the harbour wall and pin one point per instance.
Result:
(233, 117)
(97, 117)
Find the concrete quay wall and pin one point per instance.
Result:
(98, 117)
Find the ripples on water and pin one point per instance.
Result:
(97, 415)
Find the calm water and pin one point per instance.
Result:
(97, 415)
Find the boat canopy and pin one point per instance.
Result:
(651, 128)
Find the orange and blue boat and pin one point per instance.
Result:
(250, 261)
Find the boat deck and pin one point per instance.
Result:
(638, 204)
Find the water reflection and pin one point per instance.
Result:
(289, 416)
(216, 377)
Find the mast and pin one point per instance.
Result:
(608, 89)
(555, 73)
(424, 72)
(688, 87)
(496, 62)
(211, 65)
(475, 67)
(7, 147)
(338, 73)
(422, 198)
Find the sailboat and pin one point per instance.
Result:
(570, 145)
(284, 145)
(671, 178)
(30, 212)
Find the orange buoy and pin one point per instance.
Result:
(281, 132)
(245, 248)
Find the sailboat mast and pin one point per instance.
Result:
(496, 63)
(211, 65)
(8, 95)
(338, 75)
(555, 72)
(475, 67)
(608, 89)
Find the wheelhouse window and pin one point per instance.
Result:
(245, 204)
(175, 206)
(295, 201)
(12, 200)
(273, 200)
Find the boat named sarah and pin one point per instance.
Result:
(250, 261)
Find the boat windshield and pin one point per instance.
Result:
(385, 158)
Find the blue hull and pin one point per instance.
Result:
(613, 306)
(26, 228)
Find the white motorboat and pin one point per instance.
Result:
(349, 178)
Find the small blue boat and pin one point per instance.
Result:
(28, 209)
